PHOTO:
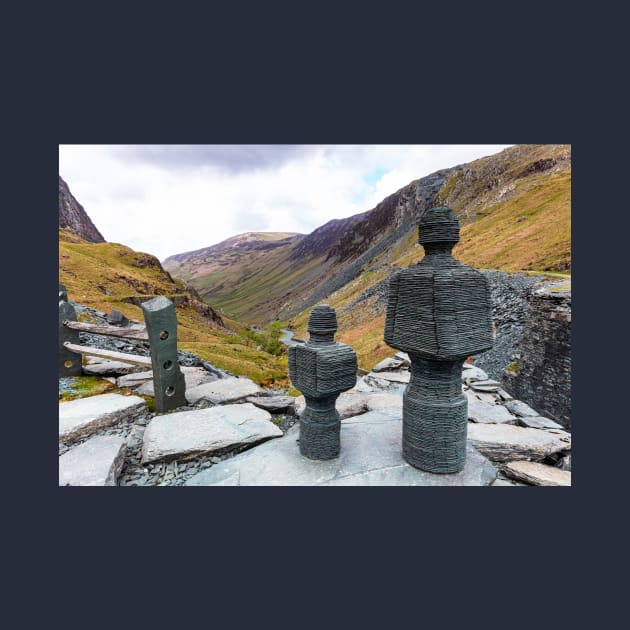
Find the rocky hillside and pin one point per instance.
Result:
(106, 276)
(514, 209)
(73, 218)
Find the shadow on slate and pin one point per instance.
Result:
(168, 381)
(439, 312)
(321, 369)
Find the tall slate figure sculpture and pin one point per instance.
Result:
(168, 381)
(321, 369)
(438, 312)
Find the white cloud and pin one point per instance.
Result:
(168, 206)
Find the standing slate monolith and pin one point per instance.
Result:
(439, 312)
(168, 381)
(321, 369)
(69, 362)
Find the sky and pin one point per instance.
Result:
(170, 199)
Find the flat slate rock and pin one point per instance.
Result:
(394, 377)
(383, 401)
(539, 422)
(224, 390)
(506, 442)
(274, 404)
(193, 377)
(474, 374)
(350, 403)
(391, 363)
(479, 411)
(134, 379)
(185, 435)
(537, 474)
(371, 455)
(96, 462)
(110, 368)
(519, 408)
(404, 357)
(82, 417)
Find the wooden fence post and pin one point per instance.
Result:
(168, 381)
(69, 362)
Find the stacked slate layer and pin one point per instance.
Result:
(439, 312)
(321, 369)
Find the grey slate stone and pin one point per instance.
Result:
(274, 404)
(371, 454)
(538, 422)
(519, 408)
(474, 374)
(110, 368)
(185, 435)
(96, 462)
(350, 403)
(479, 411)
(388, 364)
(193, 377)
(506, 442)
(381, 401)
(537, 474)
(225, 390)
(82, 417)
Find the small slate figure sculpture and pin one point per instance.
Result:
(321, 369)
(438, 312)
(168, 381)
(69, 362)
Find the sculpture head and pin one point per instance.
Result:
(438, 227)
(322, 323)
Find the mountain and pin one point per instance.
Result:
(73, 218)
(514, 208)
(108, 276)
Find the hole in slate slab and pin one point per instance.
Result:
(168, 365)
(170, 390)
(68, 364)
(164, 334)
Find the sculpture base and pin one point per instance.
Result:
(435, 416)
(320, 426)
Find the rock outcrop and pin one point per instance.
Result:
(541, 375)
(73, 217)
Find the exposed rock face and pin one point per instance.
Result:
(73, 217)
(542, 375)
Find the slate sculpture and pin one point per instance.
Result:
(321, 369)
(69, 362)
(439, 312)
(168, 381)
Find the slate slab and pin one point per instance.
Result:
(506, 442)
(193, 377)
(519, 408)
(371, 455)
(389, 364)
(382, 401)
(110, 368)
(479, 411)
(539, 422)
(537, 474)
(350, 403)
(185, 435)
(225, 390)
(474, 374)
(274, 404)
(82, 417)
(96, 462)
